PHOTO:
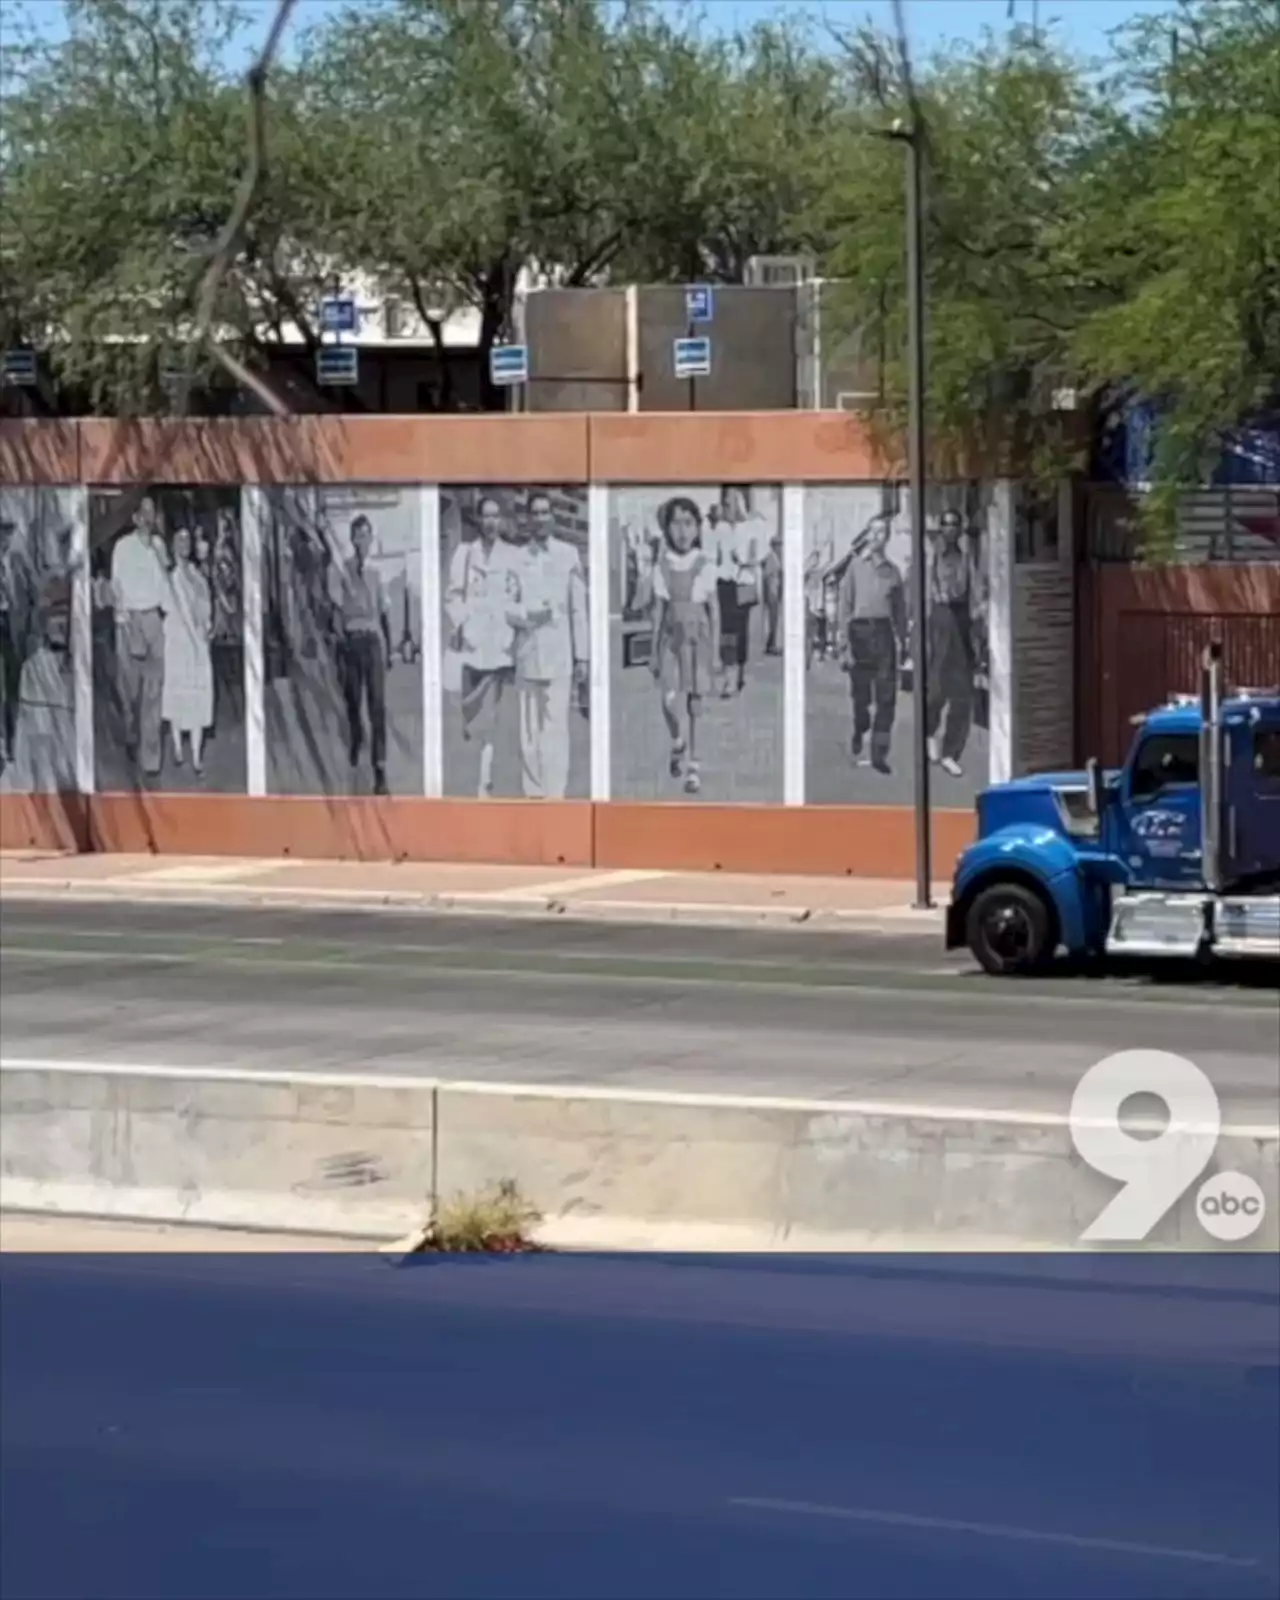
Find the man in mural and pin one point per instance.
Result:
(478, 601)
(363, 619)
(550, 649)
(771, 584)
(14, 623)
(954, 600)
(140, 590)
(872, 627)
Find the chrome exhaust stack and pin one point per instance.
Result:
(1211, 697)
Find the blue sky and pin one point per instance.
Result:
(1084, 24)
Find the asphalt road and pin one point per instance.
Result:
(869, 1016)
(185, 1427)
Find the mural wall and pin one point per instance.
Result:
(860, 650)
(37, 673)
(697, 644)
(168, 639)
(342, 640)
(409, 641)
(515, 576)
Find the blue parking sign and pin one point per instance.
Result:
(692, 358)
(508, 364)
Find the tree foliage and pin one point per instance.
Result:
(1095, 230)
(1189, 230)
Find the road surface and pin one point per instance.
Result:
(203, 1426)
(787, 1012)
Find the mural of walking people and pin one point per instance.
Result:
(860, 651)
(695, 619)
(37, 681)
(517, 642)
(687, 632)
(956, 640)
(165, 564)
(342, 641)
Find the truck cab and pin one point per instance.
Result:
(1176, 853)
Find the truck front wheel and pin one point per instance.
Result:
(1008, 929)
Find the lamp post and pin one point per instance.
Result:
(911, 139)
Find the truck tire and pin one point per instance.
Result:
(1008, 929)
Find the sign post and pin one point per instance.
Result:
(691, 357)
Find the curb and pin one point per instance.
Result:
(907, 921)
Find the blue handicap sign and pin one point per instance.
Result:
(700, 302)
(509, 363)
(692, 358)
(337, 363)
(338, 315)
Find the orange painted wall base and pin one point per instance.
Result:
(840, 841)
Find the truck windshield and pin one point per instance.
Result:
(1266, 752)
(1163, 761)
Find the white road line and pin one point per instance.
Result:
(993, 1530)
(321, 1080)
(582, 1091)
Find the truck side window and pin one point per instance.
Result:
(1165, 761)
(1266, 753)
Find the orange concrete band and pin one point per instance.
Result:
(704, 447)
(852, 841)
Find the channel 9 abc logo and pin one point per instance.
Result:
(1158, 1166)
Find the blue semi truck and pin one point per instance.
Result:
(1176, 854)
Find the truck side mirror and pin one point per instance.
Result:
(1097, 786)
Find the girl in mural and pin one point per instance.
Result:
(740, 546)
(685, 632)
(188, 668)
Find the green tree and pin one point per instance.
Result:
(1185, 223)
(1084, 229)
(495, 137)
(117, 160)
(123, 149)
(1010, 125)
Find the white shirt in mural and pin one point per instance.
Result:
(481, 596)
(138, 575)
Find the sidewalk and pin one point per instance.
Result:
(713, 899)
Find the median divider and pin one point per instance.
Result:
(370, 1155)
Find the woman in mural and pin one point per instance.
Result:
(955, 612)
(187, 704)
(47, 731)
(685, 632)
(771, 584)
(740, 546)
(227, 643)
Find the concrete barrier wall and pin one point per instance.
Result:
(365, 1155)
(304, 1153)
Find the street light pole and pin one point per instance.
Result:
(911, 138)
